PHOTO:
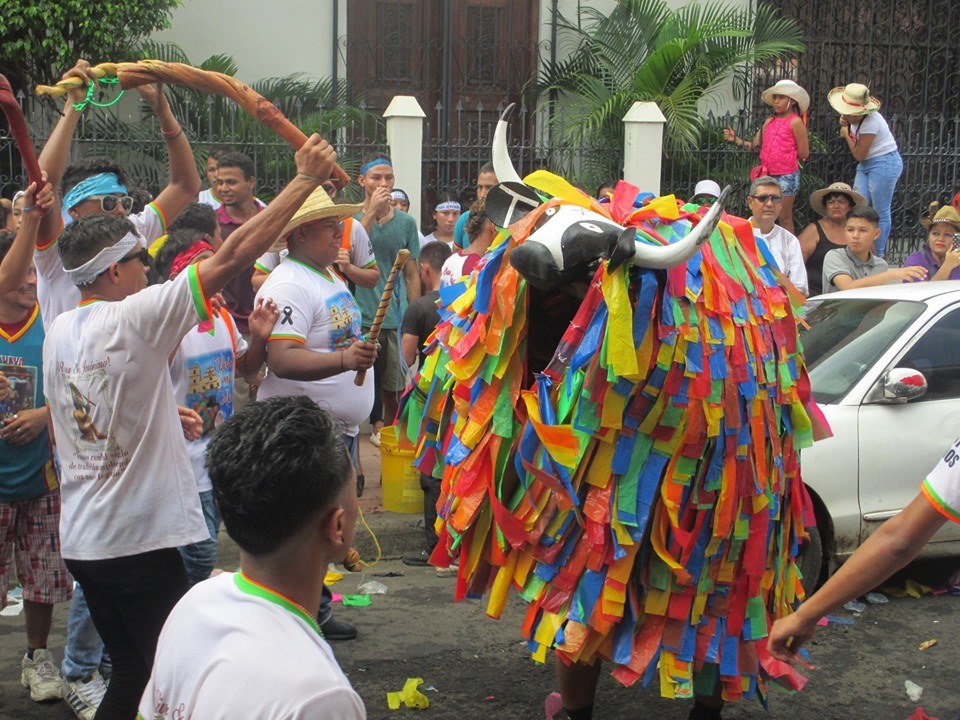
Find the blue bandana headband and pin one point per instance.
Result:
(102, 184)
(375, 161)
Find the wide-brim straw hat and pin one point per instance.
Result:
(853, 99)
(318, 206)
(837, 188)
(789, 89)
(947, 214)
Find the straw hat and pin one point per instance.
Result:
(318, 207)
(789, 89)
(837, 188)
(853, 99)
(947, 214)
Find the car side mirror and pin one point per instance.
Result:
(902, 385)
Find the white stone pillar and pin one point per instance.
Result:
(404, 118)
(643, 146)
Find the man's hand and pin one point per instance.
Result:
(80, 70)
(343, 259)
(37, 203)
(152, 94)
(24, 426)
(263, 317)
(5, 388)
(787, 635)
(910, 273)
(316, 159)
(379, 203)
(191, 423)
(359, 356)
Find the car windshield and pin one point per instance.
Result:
(846, 337)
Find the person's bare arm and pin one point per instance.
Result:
(361, 277)
(19, 258)
(859, 147)
(258, 279)
(262, 318)
(291, 360)
(375, 208)
(808, 240)
(801, 138)
(950, 261)
(898, 541)
(315, 161)
(409, 347)
(903, 274)
(184, 181)
(56, 151)
(411, 278)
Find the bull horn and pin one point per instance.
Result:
(502, 164)
(664, 257)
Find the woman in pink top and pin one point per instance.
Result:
(782, 141)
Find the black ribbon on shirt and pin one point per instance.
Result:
(287, 318)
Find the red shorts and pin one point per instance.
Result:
(31, 528)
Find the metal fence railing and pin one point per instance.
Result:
(930, 146)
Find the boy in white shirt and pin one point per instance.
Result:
(128, 495)
(249, 629)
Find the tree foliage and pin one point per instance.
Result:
(40, 39)
(646, 51)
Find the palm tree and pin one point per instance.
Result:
(644, 50)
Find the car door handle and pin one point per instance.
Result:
(880, 516)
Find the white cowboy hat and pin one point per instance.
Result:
(707, 187)
(789, 89)
(837, 188)
(853, 99)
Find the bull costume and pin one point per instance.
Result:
(634, 476)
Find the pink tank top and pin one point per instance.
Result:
(778, 147)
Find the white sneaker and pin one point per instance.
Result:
(40, 675)
(84, 695)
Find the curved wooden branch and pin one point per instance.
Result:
(385, 299)
(18, 128)
(133, 75)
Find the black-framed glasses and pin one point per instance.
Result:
(108, 203)
(142, 255)
(764, 199)
(329, 188)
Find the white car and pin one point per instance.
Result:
(884, 366)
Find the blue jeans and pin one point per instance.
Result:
(876, 180)
(84, 650)
(789, 184)
(200, 558)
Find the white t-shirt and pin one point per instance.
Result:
(875, 124)
(126, 483)
(452, 269)
(361, 251)
(234, 649)
(942, 486)
(786, 251)
(317, 309)
(203, 375)
(56, 292)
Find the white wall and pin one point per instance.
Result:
(266, 39)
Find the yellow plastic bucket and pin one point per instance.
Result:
(401, 479)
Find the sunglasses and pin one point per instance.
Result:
(108, 203)
(704, 200)
(329, 188)
(764, 199)
(142, 255)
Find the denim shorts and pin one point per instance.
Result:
(789, 184)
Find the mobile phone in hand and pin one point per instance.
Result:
(956, 241)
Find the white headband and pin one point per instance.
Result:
(448, 205)
(101, 262)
